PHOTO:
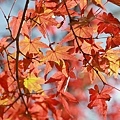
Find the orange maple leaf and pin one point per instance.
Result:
(80, 32)
(31, 46)
(15, 23)
(60, 53)
(88, 47)
(113, 41)
(41, 17)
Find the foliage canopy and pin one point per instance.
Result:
(42, 80)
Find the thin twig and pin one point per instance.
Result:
(7, 20)
(8, 62)
(11, 8)
(10, 105)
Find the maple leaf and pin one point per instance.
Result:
(91, 47)
(60, 53)
(42, 17)
(109, 25)
(61, 84)
(69, 96)
(59, 65)
(33, 84)
(39, 110)
(51, 104)
(66, 106)
(61, 10)
(45, 21)
(43, 104)
(63, 66)
(26, 62)
(25, 29)
(15, 23)
(31, 46)
(113, 41)
(3, 81)
(56, 77)
(113, 57)
(60, 80)
(98, 99)
(80, 32)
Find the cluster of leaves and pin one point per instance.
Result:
(41, 80)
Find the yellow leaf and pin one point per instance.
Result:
(113, 57)
(33, 84)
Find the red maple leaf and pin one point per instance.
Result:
(98, 99)
(110, 24)
(3, 81)
(113, 41)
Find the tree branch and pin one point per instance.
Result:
(17, 56)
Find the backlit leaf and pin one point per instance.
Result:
(98, 99)
(69, 96)
(60, 53)
(15, 23)
(33, 84)
(110, 24)
(113, 57)
(113, 41)
(31, 46)
(65, 105)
